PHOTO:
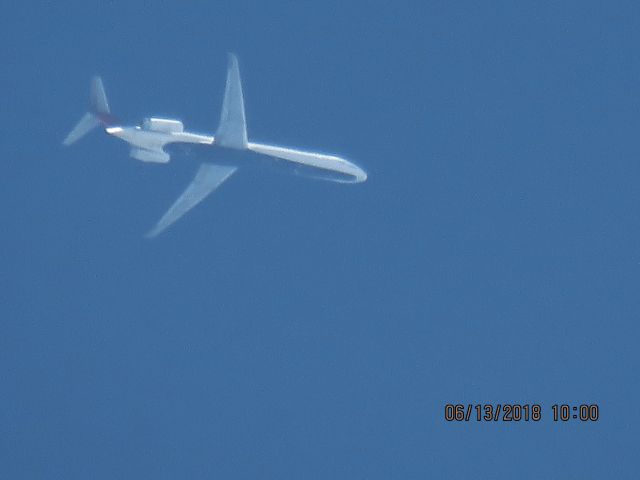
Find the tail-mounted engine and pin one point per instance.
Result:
(153, 156)
(163, 125)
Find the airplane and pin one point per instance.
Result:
(156, 139)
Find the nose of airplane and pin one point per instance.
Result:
(359, 174)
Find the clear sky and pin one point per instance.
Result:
(290, 328)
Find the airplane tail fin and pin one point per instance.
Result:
(232, 130)
(98, 97)
(98, 114)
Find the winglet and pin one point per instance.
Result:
(232, 130)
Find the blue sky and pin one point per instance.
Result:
(288, 328)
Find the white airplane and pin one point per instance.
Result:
(149, 140)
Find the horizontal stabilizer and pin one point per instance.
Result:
(87, 123)
(232, 130)
(208, 178)
(98, 113)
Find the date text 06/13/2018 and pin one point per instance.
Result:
(514, 412)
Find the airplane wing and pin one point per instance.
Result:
(232, 130)
(207, 179)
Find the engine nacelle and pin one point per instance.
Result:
(154, 156)
(164, 125)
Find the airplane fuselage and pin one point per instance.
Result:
(148, 142)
